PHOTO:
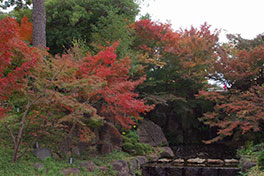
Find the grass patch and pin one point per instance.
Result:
(25, 165)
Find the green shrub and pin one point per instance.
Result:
(131, 144)
(128, 147)
(247, 149)
(261, 161)
(258, 147)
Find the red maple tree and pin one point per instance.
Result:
(240, 109)
(16, 61)
(61, 92)
(190, 51)
(117, 100)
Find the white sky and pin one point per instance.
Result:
(245, 17)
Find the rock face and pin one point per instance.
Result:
(88, 165)
(129, 168)
(121, 167)
(65, 146)
(150, 133)
(247, 163)
(166, 152)
(42, 153)
(133, 166)
(109, 134)
(110, 138)
(105, 148)
(141, 159)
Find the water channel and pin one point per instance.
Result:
(195, 160)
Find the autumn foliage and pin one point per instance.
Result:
(187, 58)
(68, 93)
(235, 112)
(97, 78)
(16, 60)
(26, 29)
(117, 100)
(63, 93)
(239, 110)
(190, 51)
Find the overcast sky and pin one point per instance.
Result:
(245, 17)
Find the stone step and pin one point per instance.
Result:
(199, 162)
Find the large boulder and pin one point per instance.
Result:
(109, 135)
(141, 159)
(133, 166)
(42, 153)
(105, 148)
(166, 152)
(150, 133)
(247, 163)
(121, 167)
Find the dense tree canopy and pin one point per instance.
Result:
(240, 65)
(93, 78)
(99, 22)
(63, 92)
(96, 23)
(176, 64)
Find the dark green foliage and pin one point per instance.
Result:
(132, 145)
(111, 28)
(129, 147)
(97, 21)
(251, 150)
(261, 161)
(258, 147)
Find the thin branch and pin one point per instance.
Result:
(19, 136)
(10, 133)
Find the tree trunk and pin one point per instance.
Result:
(39, 23)
(20, 133)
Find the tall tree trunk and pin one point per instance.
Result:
(39, 23)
